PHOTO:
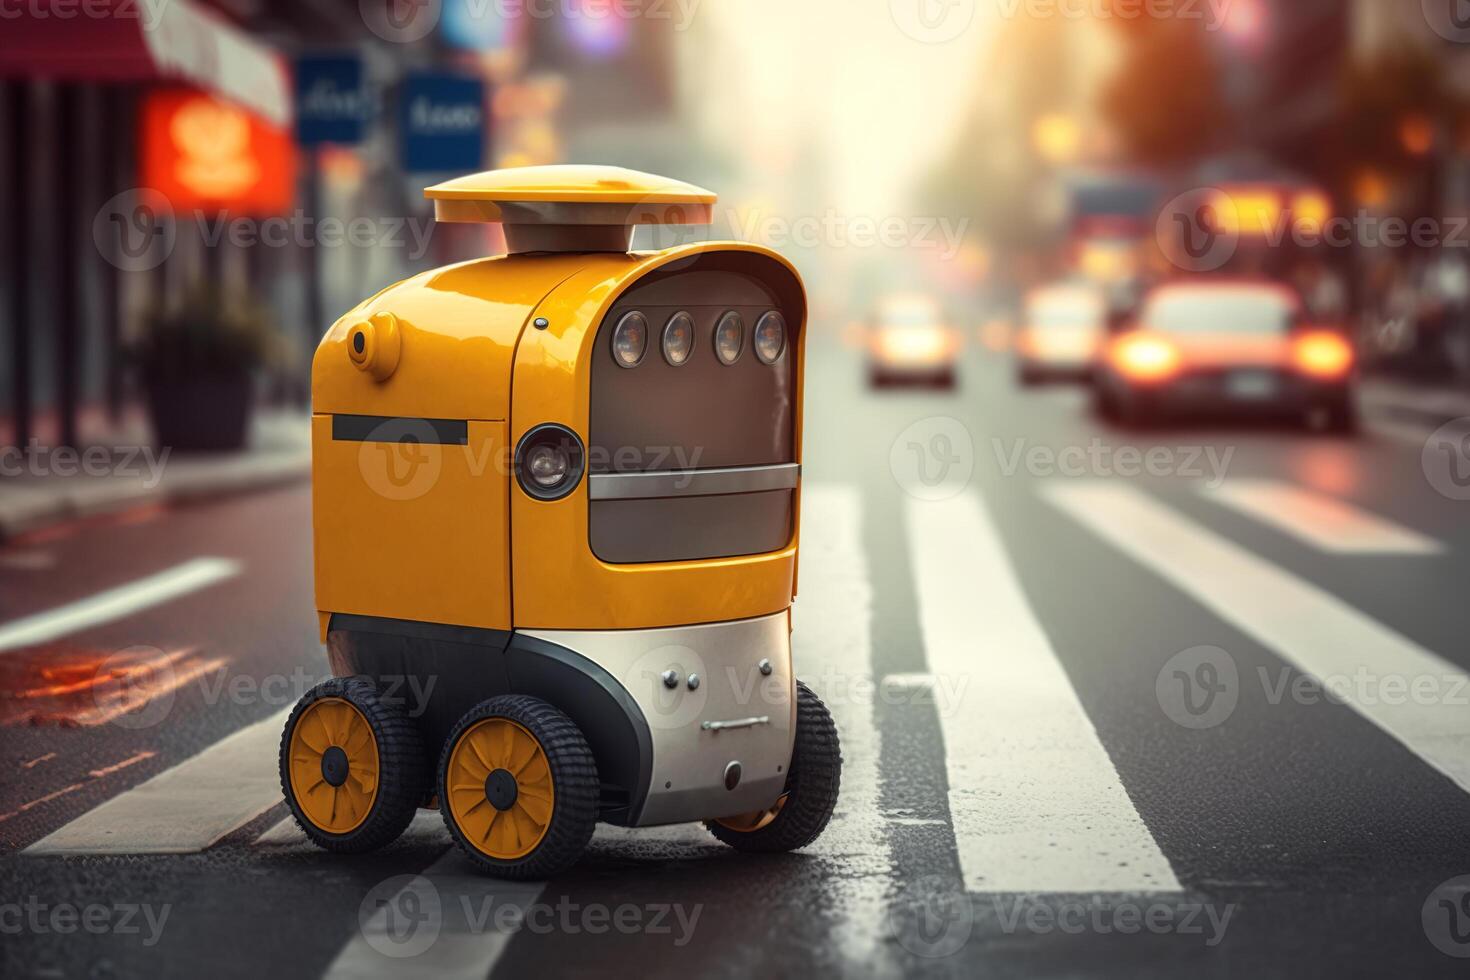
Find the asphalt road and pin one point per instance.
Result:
(1189, 700)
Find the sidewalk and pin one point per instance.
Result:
(44, 486)
(1432, 404)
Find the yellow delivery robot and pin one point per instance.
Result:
(556, 503)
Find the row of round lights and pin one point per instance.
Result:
(630, 338)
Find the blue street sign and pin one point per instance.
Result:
(442, 122)
(333, 104)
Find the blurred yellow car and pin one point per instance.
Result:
(1061, 332)
(910, 342)
(1237, 347)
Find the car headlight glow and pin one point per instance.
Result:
(549, 461)
(770, 337)
(630, 340)
(678, 342)
(729, 338)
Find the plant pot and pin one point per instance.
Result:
(207, 413)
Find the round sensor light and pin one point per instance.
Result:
(770, 337)
(678, 338)
(729, 338)
(630, 340)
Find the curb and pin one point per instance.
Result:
(26, 509)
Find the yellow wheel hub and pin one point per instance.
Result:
(499, 788)
(334, 765)
(747, 823)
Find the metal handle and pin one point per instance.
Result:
(716, 726)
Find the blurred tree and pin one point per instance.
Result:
(1391, 115)
(1166, 101)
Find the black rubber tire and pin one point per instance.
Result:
(812, 785)
(403, 768)
(573, 779)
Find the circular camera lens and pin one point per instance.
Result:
(729, 338)
(549, 461)
(678, 338)
(547, 465)
(770, 337)
(630, 340)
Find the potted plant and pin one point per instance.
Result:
(197, 358)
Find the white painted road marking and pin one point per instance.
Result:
(1035, 802)
(1321, 521)
(465, 938)
(114, 604)
(427, 827)
(187, 808)
(1324, 637)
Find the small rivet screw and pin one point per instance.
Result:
(693, 682)
(765, 667)
(541, 323)
(671, 678)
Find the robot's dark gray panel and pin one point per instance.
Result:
(703, 413)
(690, 528)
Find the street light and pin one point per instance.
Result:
(1056, 138)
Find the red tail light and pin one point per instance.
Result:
(1145, 357)
(1322, 354)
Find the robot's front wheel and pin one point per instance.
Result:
(801, 813)
(518, 787)
(353, 767)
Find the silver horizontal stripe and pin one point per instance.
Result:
(720, 726)
(693, 483)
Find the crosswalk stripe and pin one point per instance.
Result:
(1324, 637)
(1321, 521)
(832, 648)
(462, 910)
(114, 604)
(187, 808)
(427, 827)
(1034, 800)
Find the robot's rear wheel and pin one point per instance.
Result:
(801, 813)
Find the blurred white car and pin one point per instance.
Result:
(910, 342)
(1062, 330)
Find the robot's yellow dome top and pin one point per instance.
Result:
(569, 207)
